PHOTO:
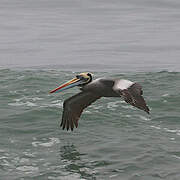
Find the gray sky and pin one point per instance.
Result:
(133, 34)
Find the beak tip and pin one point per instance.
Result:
(52, 91)
(67, 85)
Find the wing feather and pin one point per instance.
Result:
(73, 108)
(132, 94)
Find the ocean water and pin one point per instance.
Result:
(113, 140)
(44, 43)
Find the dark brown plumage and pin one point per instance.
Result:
(92, 90)
(74, 106)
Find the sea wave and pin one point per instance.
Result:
(113, 140)
(51, 142)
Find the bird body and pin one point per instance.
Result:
(91, 90)
(100, 86)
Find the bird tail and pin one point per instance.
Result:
(133, 96)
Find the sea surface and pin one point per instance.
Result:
(44, 43)
(113, 140)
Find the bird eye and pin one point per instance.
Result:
(83, 78)
(80, 77)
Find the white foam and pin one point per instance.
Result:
(21, 77)
(144, 118)
(165, 95)
(87, 112)
(96, 107)
(57, 101)
(74, 176)
(52, 142)
(13, 92)
(28, 103)
(128, 107)
(24, 161)
(28, 169)
(177, 131)
(54, 105)
(35, 98)
(172, 130)
(128, 116)
(3, 157)
(28, 98)
(156, 127)
(172, 139)
(177, 157)
(113, 176)
(112, 105)
(30, 155)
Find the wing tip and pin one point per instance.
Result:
(147, 110)
(65, 126)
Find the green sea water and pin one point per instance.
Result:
(113, 140)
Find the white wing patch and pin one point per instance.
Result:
(122, 84)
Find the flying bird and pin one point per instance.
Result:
(92, 90)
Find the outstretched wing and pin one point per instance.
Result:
(131, 93)
(74, 106)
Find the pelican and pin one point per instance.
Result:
(91, 90)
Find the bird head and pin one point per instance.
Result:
(80, 80)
